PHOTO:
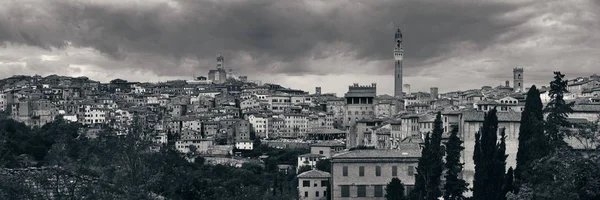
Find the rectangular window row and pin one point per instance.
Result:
(361, 171)
(361, 190)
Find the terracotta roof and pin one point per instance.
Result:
(412, 151)
(427, 118)
(484, 102)
(478, 116)
(328, 144)
(327, 131)
(310, 155)
(314, 174)
(577, 120)
(586, 108)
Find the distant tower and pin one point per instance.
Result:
(398, 55)
(434, 93)
(507, 83)
(518, 79)
(318, 90)
(406, 88)
(220, 61)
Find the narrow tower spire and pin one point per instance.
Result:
(398, 55)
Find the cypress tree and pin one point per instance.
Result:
(557, 110)
(490, 160)
(418, 192)
(532, 141)
(429, 171)
(395, 190)
(508, 182)
(499, 166)
(436, 166)
(455, 186)
(477, 184)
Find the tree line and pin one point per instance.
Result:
(67, 165)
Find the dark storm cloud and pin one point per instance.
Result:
(280, 36)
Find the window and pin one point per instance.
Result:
(394, 170)
(320, 152)
(305, 183)
(378, 191)
(345, 171)
(317, 194)
(305, 194)
(361, 191)
(361, 171)
(345, 191)
(324, 183)
(411, 170)
(378, 171)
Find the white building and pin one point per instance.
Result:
(244, 145)
(3, 101)
(251, 103)
(309, 159)
(312, 184)
(94, 116)
(278, 103)
(70, 118)
(260, 125)
(202, 146)
(295, 123)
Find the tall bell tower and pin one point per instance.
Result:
(398, 55)
(518, 79)
(220, 61)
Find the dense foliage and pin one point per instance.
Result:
(558, 110)
(124, 167)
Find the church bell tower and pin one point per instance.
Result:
(398, 55)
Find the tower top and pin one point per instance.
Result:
(518, 69)
(398, 34)
(220, 60)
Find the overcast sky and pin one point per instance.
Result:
(451, 44)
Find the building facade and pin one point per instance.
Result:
(364, 174)
(360, 103)
(312, 185)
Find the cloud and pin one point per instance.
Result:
(445, 41)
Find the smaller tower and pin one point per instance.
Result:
(318, 90)
(220, 61)
(406, 88)
(507, 83)
(518, 79)
(434, 93)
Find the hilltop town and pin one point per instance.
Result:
(223, 117)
